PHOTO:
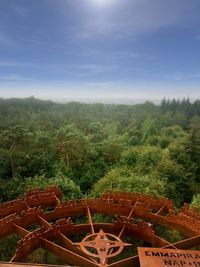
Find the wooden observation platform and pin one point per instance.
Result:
(101, 232)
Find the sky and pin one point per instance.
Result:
(100, 50)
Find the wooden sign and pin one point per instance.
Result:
(158, 257)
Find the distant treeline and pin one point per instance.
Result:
(183, 106)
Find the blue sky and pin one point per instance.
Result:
(100, 49)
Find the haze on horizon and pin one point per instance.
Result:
(106, 50)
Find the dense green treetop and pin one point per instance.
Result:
(89, 148)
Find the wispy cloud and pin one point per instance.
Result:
(12, 77)
(78, 69)
(180, 76)
(92, 69)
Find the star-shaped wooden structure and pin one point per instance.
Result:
(103, 244)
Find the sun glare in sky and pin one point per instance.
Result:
(102, 3)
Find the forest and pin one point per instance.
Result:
(86, 149)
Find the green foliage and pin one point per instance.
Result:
(172, 236)
(17, 187)
(69, 189)
(179, 184)
(195, 203)
(133, 132)
(7, 247)
(194, 141)
(11, 188)
(72, 145)
(125, 180)
(149, 128)
(14, 143)
(142, 158)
